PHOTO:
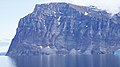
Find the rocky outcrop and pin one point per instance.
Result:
(63, 28)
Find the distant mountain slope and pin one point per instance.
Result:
(63, 28)
(2, 53)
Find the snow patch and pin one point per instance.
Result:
(41, 47)
(48, 47)
(58, 23)
(54, 12)
(59, 18)
(86, 26)
(86, 13)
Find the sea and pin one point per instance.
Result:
(61, 61)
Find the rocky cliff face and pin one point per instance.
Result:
(61, 28)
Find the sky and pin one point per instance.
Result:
(12, 10)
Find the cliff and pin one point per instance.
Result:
(63, 28)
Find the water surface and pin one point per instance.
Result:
(61, 61)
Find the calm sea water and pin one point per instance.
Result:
(61, 61)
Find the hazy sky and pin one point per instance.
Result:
(12, 10)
